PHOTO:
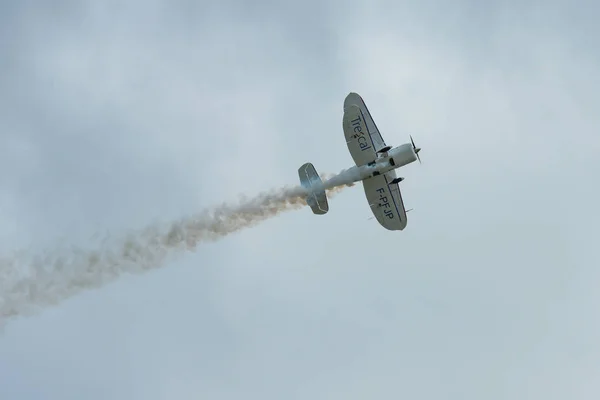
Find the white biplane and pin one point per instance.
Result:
(376, 165)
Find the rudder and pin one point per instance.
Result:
(317, 198)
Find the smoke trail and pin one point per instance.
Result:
(28, 286)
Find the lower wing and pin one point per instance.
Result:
(385, 200)
(360, 144)
(362, 136)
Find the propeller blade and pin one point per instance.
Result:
(416, 149)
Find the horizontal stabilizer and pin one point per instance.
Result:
(317, 198)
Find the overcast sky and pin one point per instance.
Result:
(113, 116)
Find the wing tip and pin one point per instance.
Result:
(351, 98)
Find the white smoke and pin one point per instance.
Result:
(30, 284)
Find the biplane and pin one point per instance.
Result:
(375, 165)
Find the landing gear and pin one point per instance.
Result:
(384, 150)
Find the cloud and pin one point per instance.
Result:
(118, 115)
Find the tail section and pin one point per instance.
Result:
(316, 199)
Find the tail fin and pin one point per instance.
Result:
(316, 199)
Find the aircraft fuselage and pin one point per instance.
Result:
(395, 158)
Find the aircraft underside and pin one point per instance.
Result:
(375, 165)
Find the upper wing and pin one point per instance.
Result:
(362, 136)
(385, 200)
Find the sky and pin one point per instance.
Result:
(114, 115)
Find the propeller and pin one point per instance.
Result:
(417, 149)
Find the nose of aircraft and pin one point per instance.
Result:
(416, 149)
